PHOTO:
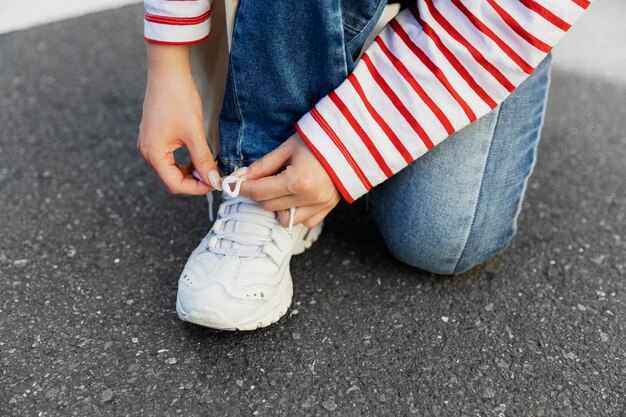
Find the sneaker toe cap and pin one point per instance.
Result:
(216, 306)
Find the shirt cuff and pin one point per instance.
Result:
(177, 23)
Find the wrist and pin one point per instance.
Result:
(169, 60)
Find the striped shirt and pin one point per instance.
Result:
(435, 68)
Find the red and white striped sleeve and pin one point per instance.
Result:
(177, 22)
(435, 68)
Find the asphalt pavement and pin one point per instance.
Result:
(91, 248)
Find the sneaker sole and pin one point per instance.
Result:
(216, 320)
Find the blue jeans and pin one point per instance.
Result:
(445, 213)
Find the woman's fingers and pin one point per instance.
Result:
(203, 161)
(280, 203)
(175, 179)
(272, 187)
(271, 163)
(317, 218)
(302, 214)
(302, 183)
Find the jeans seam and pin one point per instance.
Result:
(344, 44)
(368, 24)
(479, 197)
(234, 88)
(521, 195)
(352, 28)
(535, 149)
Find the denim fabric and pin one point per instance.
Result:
(446, 212)
(458, 205)
(285, 56)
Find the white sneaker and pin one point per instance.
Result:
(238, 278)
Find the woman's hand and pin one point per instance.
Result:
(303, 183)
(172, 118)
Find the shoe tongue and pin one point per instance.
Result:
(252, 226)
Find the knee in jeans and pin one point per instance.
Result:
(451, 254)
(481, 250)
(424, 254)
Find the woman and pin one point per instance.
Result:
(306, 120)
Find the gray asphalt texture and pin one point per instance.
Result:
(91, 248)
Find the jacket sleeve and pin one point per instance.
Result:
(435, 68)
(177, 22)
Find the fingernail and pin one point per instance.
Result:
(214, 179)
(240, 172)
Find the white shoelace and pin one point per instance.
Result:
(246, 244)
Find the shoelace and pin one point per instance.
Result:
(266, 219)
